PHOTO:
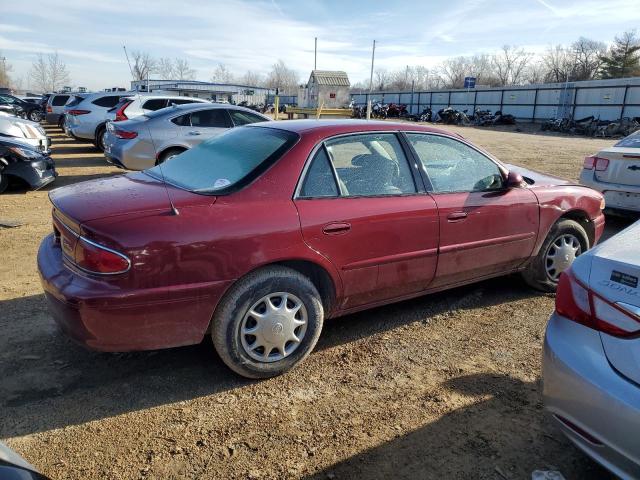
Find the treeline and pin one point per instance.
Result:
(584, 59)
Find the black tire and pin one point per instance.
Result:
(61, 122)
(536, 274)
(99, 141)
(4, 182)
(244, 295)
(34, 116)
(166, 155)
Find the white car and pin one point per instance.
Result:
(24, 131)
(140, 104)
(615, 172)
(591, 361)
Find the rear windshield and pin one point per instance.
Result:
(226, 162)
(75, 101)
(162, 111)
(632, 141)
(59, 100)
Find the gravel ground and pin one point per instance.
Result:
(445, 386)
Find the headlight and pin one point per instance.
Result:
(26, 153)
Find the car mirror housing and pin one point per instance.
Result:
(514, 180)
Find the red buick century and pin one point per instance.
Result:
(258, 235)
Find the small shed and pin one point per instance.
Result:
(326, 88)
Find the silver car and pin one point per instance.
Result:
(55, 108)
(86, 116)
(591, 361)
(25, 131)
(147, 140)
(615, 171)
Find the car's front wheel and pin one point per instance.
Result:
(35, 115)
(268, 322)
(4, 182)
(566, 240)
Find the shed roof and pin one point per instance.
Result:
(330, 77)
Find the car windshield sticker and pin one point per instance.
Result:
(624, 279)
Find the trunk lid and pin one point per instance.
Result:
(134, 193)
(615, 276)
(623, 168)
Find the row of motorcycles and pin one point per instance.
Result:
(447, 116)
(593, 127)
(264, 107)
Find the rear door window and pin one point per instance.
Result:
(108, 102)
(211, 118)
(59, 100)
(155, 104)
(244, 118)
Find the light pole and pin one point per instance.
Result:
(373, 55)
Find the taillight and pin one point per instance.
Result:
(49, 109)
(77, 112)
(94, 258)
(576, 302)
(120, 115)
(125, 134)
(602, 164)
(589, 162)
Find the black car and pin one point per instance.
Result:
(14, 467)
(31, 111)
(20, 161)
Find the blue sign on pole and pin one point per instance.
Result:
(469, 82)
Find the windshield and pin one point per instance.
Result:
(226, 162)
(632, 141)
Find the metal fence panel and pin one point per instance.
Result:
(633, 95)
(519, 111)
(601, 112)
(491, 97)
(519, 97)
(600, 96)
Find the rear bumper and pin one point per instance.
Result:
(52, 118)
(617, 196)
(134, 154)
(581, 388)
(99, 315)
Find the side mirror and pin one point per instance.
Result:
(514, 180)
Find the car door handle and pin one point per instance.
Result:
(336, 228)
(457, 216)
(193, 132)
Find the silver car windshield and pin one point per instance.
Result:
(226, 162)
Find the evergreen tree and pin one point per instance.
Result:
(623, 58)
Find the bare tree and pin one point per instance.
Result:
(453, 71)
(49, 73)
(252, 78)
(143, 65)
(283, 78)
(182, 70)
(588, 58)
(557, 63)
(381, 80)
(165, 68)
(510, 65)
(5, 68)
(222, 74)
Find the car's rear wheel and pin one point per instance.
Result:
(268, 322)
(35, 115)
(566, 240)
(100, 134)
(169, 154)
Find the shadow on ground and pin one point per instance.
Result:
(472, 437)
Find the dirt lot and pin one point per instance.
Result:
(445, 386)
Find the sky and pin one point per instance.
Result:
(253, 35)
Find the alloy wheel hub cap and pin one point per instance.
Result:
(561, 254)
(274, 327)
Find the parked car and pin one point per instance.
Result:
(14, 467)
(20, 161)
(615, 171)
(54, 114)
(29, 110)
(158, 136)
(12, 127)
(86, 117)
(143, 103)
(259, 234)
(591, 369)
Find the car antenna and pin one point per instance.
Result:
(174, 210)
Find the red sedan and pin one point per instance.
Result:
(258, 235)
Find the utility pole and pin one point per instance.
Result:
(373, 56)
(315, 55)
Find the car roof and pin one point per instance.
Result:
(339, 126)
(187, 107)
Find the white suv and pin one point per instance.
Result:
(139, 104)
(615, 171)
